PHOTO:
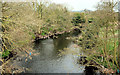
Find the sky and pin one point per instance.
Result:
(77, 5)
(73, 5)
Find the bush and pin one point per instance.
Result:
(78, 18)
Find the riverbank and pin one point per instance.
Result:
(54, 34)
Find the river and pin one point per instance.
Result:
(53, 58)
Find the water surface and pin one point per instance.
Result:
(50, 59)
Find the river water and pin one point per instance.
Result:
(53, 58)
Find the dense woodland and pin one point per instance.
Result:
(25, 22)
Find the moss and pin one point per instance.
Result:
(42, 33)
(5, 53)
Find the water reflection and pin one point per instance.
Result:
(49, 62)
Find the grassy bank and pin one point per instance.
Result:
(99, 38)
